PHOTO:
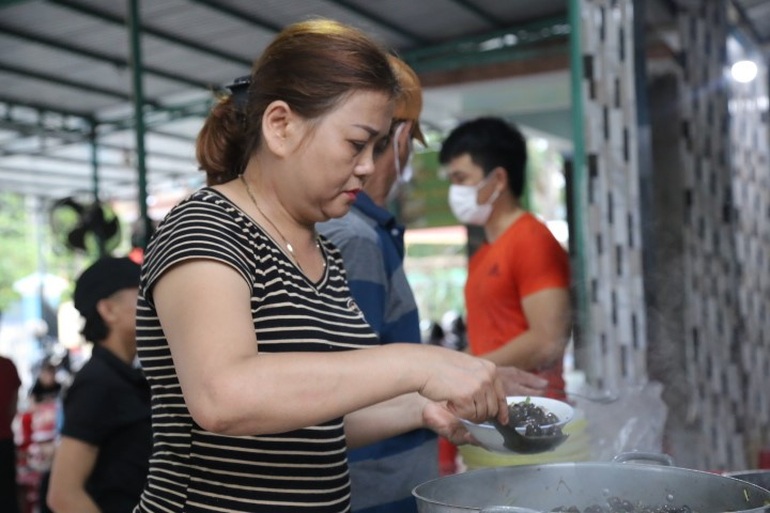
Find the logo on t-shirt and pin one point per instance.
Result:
(353, 307)
(494, 270)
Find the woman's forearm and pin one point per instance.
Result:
(384, 420)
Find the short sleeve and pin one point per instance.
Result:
(544, 264)
(204, 226)
(87, 408)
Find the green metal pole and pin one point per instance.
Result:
(579, 177)
(95, 182)
(134, 27)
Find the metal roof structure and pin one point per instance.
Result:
(66, 83)
(67, 110)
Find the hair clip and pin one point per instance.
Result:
(239, 89)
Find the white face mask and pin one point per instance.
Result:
(462, 202)
(403, 176)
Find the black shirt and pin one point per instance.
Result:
(108, 405)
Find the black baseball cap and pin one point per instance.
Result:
(102, 279)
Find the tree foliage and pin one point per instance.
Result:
(25, 240)
(18, 242)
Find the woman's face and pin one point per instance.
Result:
(339, 153)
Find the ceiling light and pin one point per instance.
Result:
(744, 71)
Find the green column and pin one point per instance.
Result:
(578, 175)
(134, 28)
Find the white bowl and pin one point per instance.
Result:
(492, 440)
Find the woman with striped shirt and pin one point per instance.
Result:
(262, 368)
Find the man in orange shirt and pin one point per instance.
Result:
(517, 292)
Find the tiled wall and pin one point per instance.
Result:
(726, 234)
(614, 342)
(710, 266)
(723, 218)
(748, 107)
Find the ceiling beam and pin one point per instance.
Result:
(67, 135)
(175, 136)
(76, 182)
(28, 129)
(107, 16)
(46, 147)
(27, 188)
(481, 13)
(379, 20)
(55, 190)
(15, 103)
(118, 62)
(240, 15)
(80, 86)
(45, 173)
(167, 114)
(85, 163)
(33, 191)
(152, 154)
(126, 174)
(516, 43)
(46, 127)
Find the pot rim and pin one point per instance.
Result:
(747, 472)
(579, 465)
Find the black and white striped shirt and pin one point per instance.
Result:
(193, 470)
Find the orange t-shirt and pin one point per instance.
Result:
(525, 259)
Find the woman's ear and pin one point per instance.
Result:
(279, 127)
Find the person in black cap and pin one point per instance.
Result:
(102, 459)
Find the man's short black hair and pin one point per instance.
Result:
(490, 142)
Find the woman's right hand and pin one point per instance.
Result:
(470, 386)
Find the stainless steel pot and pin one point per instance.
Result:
(758, 477)
(561, 485)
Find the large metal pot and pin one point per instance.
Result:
(758, 477)
(561, 485)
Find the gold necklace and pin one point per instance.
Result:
(286, 242)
